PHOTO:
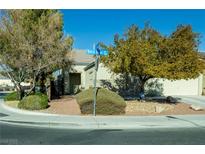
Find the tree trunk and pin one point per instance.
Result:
(20, 91)
(42, 83)
(48, 88)
(21, 94)
(141, 88)
(126, 81)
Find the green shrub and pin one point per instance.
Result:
(12, 96)
(108, 102)
(34, 102)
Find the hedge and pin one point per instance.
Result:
(12, 96)
(108, 102)
(34, 102)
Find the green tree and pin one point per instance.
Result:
(32, 44)
(146, 54)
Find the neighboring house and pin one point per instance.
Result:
(81, 75)
(5, 81)
(7, 85)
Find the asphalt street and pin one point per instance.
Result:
(17, 134)
(180, 130)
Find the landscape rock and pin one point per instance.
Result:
(159, 109)
(196, 108)
(171, 99)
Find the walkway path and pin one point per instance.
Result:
(67, 105)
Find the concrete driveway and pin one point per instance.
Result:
(193, 100)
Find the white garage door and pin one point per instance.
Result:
(182, 87)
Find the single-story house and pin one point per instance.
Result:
(81, 75)
(69, 80)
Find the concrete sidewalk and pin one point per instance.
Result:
(192, 100)
(28, 118)
(109, 122)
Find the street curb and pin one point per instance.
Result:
(48, 124)
(21, 111)
(38, 123)
(93, 125)
(98, 122)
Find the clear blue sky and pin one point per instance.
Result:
(92, 26)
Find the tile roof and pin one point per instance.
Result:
(80, 57)
(202, 54)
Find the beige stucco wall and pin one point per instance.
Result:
(89, 76)
(102, 74)
(178, 87)
(182, 87)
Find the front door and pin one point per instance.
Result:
(75, 82)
